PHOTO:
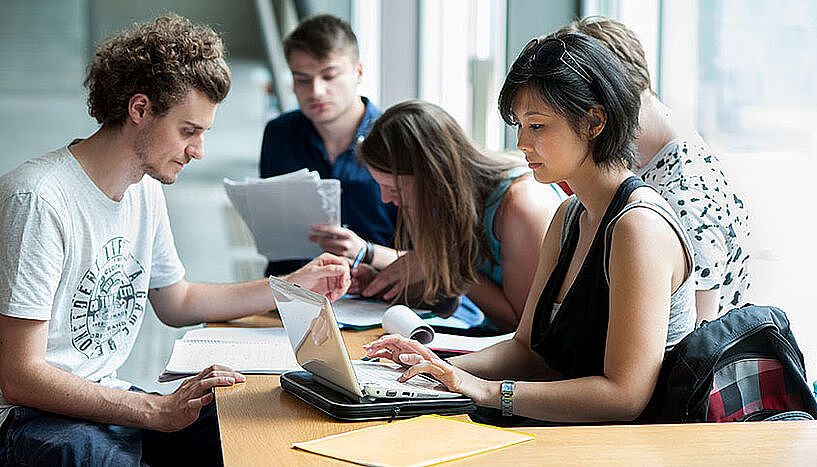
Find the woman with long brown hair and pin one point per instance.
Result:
(469, 220)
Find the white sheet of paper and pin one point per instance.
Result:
(280, 211)
(235, 334)
(359, 312)
(456, 343)
(400, 319)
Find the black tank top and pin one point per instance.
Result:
(573, 344)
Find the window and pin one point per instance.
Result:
(740, 71)
(462, 63)
(757, 74)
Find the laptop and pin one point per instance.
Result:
(319, 348)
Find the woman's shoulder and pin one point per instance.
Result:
(648, 194)
(527, 196)
(646, 213)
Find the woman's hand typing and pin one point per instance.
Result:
(419, 359)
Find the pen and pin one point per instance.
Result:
(359, 257)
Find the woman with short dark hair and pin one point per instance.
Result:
(612, 291)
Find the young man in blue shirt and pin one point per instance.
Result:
(322, 53)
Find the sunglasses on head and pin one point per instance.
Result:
(576, 66)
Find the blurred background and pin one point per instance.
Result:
(743, 72)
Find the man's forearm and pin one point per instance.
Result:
(190, 303)
(50, 389)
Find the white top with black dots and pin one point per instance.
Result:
(689, 176)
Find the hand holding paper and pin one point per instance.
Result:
(337, 240)
(280, 211)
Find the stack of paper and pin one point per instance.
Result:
(248, 350)
(359, 313)
(281, 210)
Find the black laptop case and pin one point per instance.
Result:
(335, 404)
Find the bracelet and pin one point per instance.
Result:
(369, 256)
(506, 400)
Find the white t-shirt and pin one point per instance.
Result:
(689, 176)
(83, 262)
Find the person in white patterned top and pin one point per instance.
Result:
(680, 166)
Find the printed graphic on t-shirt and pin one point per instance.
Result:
(109, 300)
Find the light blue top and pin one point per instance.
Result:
(491, 207)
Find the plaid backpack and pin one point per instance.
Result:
(744, 365)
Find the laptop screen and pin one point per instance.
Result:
(314, 334)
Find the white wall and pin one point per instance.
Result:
(778, 190)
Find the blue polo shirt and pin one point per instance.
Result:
(291, 143)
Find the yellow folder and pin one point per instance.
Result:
(424, 440)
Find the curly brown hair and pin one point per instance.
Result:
(163, 60)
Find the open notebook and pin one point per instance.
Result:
(248, 350)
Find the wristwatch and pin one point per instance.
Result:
(506, 394)
(369, 256)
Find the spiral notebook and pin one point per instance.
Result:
(248, 350)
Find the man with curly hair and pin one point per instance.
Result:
(85, 241)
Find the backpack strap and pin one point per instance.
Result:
(661, 211)
(776, 415)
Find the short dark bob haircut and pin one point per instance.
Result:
(572, 73)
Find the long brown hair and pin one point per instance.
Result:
(452, 182)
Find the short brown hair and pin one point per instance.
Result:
(622, 41)
(321, 35)
(163, 60)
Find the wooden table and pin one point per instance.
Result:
(259, 423)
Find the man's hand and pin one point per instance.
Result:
(182, 407)
(327, 274)
(390, 279)
(337, 240)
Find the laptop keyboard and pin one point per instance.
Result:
(386, 375)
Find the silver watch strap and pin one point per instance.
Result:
(506, 398)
